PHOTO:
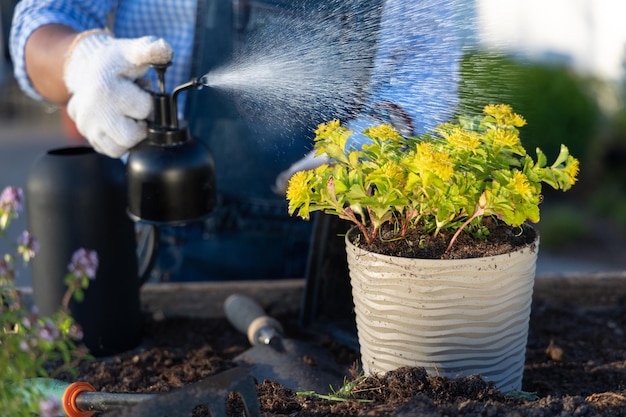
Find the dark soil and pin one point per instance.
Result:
(575, 360)
(499, 239)
(575, 365)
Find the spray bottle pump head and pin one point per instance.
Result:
(165, 120)
(164, 105)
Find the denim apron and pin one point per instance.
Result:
(250, 235)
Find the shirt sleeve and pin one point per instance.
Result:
(416, 66)
(29, 15)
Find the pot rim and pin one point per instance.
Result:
(533, 246)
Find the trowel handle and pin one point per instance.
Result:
(247, 316)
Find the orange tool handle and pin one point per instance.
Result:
(69, 399)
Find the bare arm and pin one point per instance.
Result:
(45, 59)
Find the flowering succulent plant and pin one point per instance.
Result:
(444, 181)
(30, 344)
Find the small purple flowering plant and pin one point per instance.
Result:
(32, 346)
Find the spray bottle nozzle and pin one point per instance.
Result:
(185, 86)
(165, 105)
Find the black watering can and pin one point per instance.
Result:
(77, 198)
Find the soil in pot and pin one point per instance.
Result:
(500, 239)
(575, 363)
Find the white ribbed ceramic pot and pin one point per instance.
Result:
(453, 317)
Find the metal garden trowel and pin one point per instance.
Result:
(294, 364)
(211, 393)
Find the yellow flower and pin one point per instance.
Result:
(324, 129)
(504, 115)
(520, 184)
(571, 169)
(298, 190)
(437, 162)
(464, 139)
(504, 137)
(385, 133)
(393, 172)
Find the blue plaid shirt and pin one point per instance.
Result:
(416, 64)
(172, 20)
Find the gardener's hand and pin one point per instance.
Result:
(109, 108)
(310, 161)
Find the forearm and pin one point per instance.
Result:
(45, 58)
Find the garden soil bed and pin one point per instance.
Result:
(575, 360)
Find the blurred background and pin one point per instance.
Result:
(560, 63)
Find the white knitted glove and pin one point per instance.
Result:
(109, 108)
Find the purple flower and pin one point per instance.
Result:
(76, 332)
(27, 245)
(84, 262)
(24, 346)
(50, 407)
(10, 204)
(48, 332)
(11, 200)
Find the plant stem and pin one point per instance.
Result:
(478, 212)
(67, 297)
(349, 215)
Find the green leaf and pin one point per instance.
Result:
(562, 157)
(542, 161)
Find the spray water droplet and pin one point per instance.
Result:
(204, 80)
(335, 62)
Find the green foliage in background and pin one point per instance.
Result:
(556, 102)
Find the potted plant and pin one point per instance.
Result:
(442, 256)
